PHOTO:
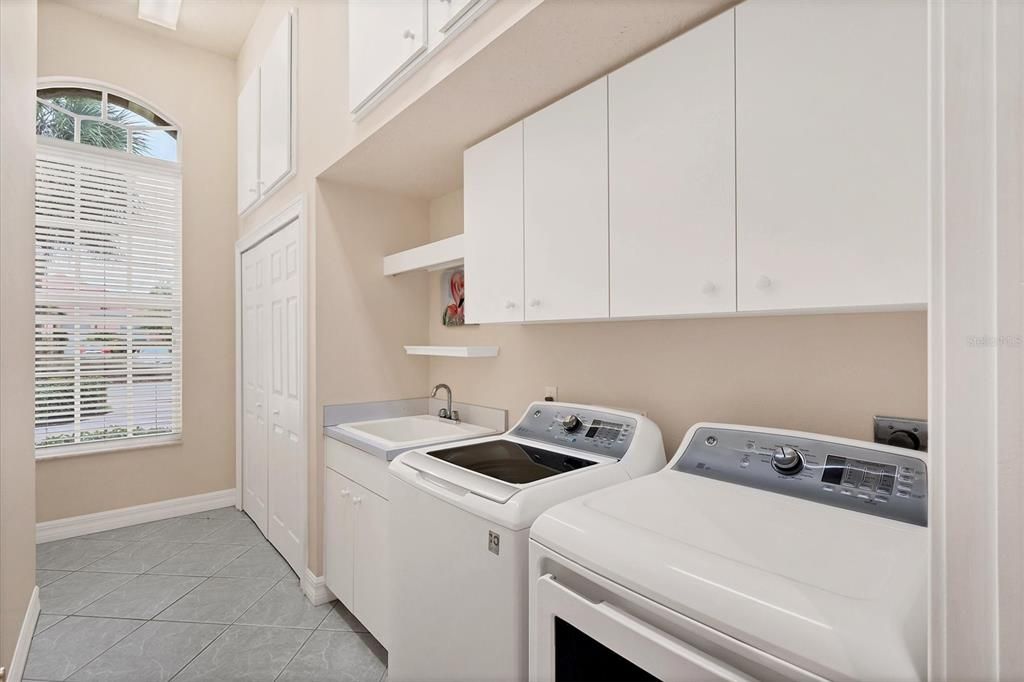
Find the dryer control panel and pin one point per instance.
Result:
(578, 427)
(863, 479)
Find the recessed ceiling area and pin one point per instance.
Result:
(219, 26)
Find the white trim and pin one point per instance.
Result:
(104, 446)
(433, 256)
(294, 212)
(315, 589)
(74, 526)
(974, 402)
(28, 628)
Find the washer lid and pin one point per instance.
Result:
(836, 592)
(509, 461)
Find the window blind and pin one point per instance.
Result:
(108, 297)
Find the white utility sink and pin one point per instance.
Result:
(410, 432)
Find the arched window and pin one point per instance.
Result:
(105, 119)
(108, 362)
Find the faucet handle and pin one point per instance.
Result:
(443, 413)
(455, 416)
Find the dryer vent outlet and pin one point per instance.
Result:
(902, 432)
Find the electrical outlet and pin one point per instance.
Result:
(551, 393)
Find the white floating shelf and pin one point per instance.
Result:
(454, 351)
(433, 256)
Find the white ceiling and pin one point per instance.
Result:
(217, 25)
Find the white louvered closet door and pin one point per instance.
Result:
(273, 450)
(108, 298)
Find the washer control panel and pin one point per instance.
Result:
(837, 474)
(580, 428)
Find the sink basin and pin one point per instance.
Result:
(410, 432)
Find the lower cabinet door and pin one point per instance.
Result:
(371, 563)
(339, 536)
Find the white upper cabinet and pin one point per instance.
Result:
(384, 37)
(493, 208)
(445, 15)
(249, 142)
(566, 207)
(276, 108)
(265, 121)
(831, 154)
(671, 177)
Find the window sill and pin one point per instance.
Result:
(78, 450)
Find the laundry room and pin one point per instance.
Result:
(511, 340)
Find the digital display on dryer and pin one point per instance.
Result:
(859, 474)
(603, 429)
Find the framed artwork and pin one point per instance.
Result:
(453, 297)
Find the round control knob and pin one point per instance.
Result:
(571, 423)
(786, 460)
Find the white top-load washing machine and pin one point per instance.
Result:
(459, 520)
(756, 554)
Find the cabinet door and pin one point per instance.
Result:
(444, 15)
(371, 563)
(831, 142)
(671, 137)
(339, 536)
(383, 38)
(276, 108)
(249, 142)
(566, 207)
(493, 206)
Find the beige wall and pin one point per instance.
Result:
(823, 373)
(359, 319)
(196, 89)
(17, 207)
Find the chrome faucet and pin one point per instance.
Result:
(448, 412)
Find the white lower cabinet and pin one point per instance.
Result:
(356, 553)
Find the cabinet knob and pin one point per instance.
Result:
(764, 283)
(254, 190)
(534, 302)
(277, 411)
(346, 493)
(409, 34)
(357, 500)
(709, 288)
(510, 304)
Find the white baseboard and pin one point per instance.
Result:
(74, 526)
(316, 589)
(28, 627)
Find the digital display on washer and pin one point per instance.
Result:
(603, 429)
(860, 474)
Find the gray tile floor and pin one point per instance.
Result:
(198, 597)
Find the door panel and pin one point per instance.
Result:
(286, 456)
(249, 142)
(672, 220)
(372, 588)
(276, 108)
(383, 38)
(832, 157)
(254, 389)
(493, 205)
(566, 214)
(339, 537)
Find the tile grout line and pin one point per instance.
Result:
(304, 642)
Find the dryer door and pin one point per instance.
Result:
(579, 639)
